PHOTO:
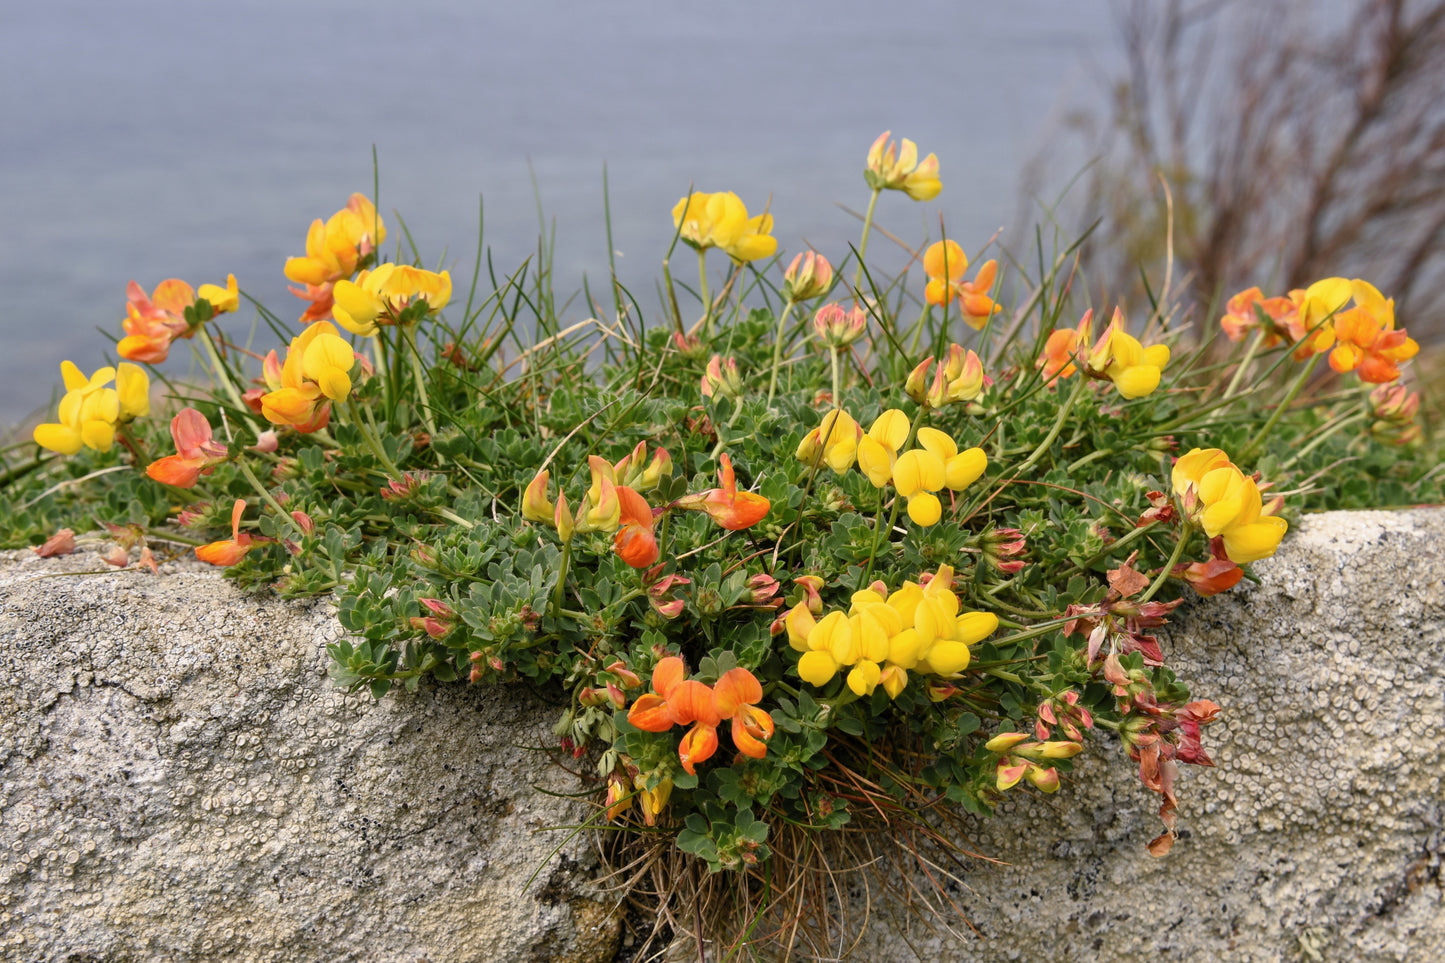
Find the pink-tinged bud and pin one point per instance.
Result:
(433, 627)
(616, 696)
(764, 590)
(626, 676)
(61, 543)
(147, 560)
(562, 519)
(286, 469)
(690, 346)
(1044, 780)
(916, 387)
(304, 521)
(266, 442)
(252, 398)
(594, 698)
(722, 378)
(405, 487)
(937, 395)
(496, 663)
(424, 555)
(116, 556)
(1005, 741)
(812, 586)
(660, 468)
(809, 276)
(837, 327)
(438, 608)
(629, 468)
(617, 796)
(1394, 402)
(1041, 729)
(1046, 713)
(536, 507)
(193, 516)
(1008, 773)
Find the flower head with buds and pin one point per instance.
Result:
(891, 168)
(808, 276)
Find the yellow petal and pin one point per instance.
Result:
(817, 668)
(965, 468)
(58, 438)
(925, 509)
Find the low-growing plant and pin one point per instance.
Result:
(808, 559)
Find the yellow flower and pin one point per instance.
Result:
(317, 372)
(878, 450)
(937, 463)
(1134, 369)
(880, 640)
(390, 294)
(835, 440)
(945, 264)
(1226, 503)
(889, 168)
(90, 410)
(721, 220)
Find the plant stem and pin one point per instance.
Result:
(369, 436)
(778, 349)
(1244, 364)
(1185, 531)
(1324, 436)
(266, 496)
(1054, 431)
(1294, 390)
(706, 297)
(419, 374)
(562, 570)
(218, 367)
(863, 241)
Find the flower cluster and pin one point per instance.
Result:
(721, 220)
(891, 169)
(316, 373)
(945, 264)
(389, 294)
(91, 411)
(885, 635)
(1116, 356)
(335, 249)
(676, 700)
(173, 310)
(1227, 504)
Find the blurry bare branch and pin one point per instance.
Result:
(1302, 139)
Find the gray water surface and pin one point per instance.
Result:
(159, 138)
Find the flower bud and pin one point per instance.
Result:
(722, 378)
(809, 276)
(304, 522)
(535, 505)
(916, 387)
(1005, 741)
(838, 328)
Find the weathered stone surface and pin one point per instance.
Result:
(1319, 835)
(180, 781)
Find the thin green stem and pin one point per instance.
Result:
(418, 374)
(1185, 531)
(218, 367)
(563, 567)
(266, 495)
(1324, 436)
(703, 291)
(1054, 431)
(778, 349)
(837, 377)
(1304, 376)
(863, 241)
(1249, 354)
(369, 436)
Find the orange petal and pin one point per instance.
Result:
(650, 713)
(698, 745)
(667, 674)
(692, 701)
(737, 687)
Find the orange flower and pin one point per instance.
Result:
(634, 541)
(1061, 351)
(317, 372)
(1241, 315)
(737, 694)
(945, 263)
(233, 549)
(196, 453)
(1366, 339)
(730, 508)
(152, 323)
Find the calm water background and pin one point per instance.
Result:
(159, 138)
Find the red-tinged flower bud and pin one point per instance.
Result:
(433, 627)
(304, 521)
(438, 608)
(837, 327)
(293, 547)
(286, 469)
(424, 555)
(252, 398)
(405, 487)
(722, 378)
(148, 560)
(626, 676)
(1041, 729)
(266, 442)
(476, 675)
(1045, 780)
(616, 696)
(562, 519)
(916, 387)
(812, 586)
(764, 590)
(617, 796)
(592, 697)
(116, 556)
(809, 276)
(660, 468)
(1211, 577)
(496, 663)
(61, 543)
(1005, 741)
(691, 346)
(1394, 402)
(536, 506)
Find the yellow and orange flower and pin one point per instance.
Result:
(1366, 340)
(1226, 504)
(317, 372)
(634, 541)
(834, 442)
(1134, 369)
(945, 264)
(334, 249)
(1241, 315)
(152, 323)
(1063, 349)
(730, 508)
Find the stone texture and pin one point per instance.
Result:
(180, 781)
(1318, 837)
